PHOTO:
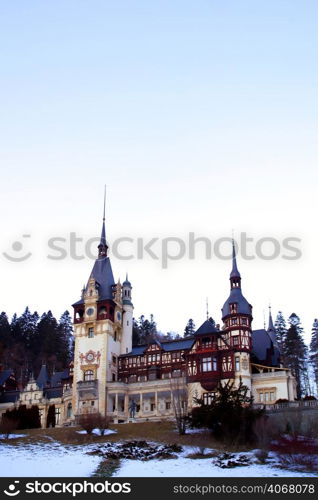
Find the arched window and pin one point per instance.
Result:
(69, 410)
(88, 375)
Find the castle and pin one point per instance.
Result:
(110, 376)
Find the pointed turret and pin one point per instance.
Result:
(236, 303)
(102, 247)
(235, 276)
(102, 270)
(271, 328)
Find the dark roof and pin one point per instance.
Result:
(263, 350)
(169, 345)
(53, 393)
(9, 396)
(176, 345)
(43, 378)
(58, 377)
(207, 327)
(103, 275)
(236, 296)
(139, 349)
(4, 376)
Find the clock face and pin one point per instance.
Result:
(90, 311)
(90, 357)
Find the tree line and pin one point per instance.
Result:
(296, 355)
(30, 340)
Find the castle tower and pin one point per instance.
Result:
(235, 341)
(128, 308)
(102, 332)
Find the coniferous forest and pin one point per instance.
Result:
(30, 340)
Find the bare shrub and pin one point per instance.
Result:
(302, 463)
(92, 421)
(7, 426)
(102, 424)
(88, 421)
(180, 402)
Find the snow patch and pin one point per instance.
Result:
(12, 436)
(97, 432)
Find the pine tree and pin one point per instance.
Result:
(295, 354)
(65, 333)
(147, 329)
(136, 336)
(189, 329)
(50, 342)
(5, 339)
(314, 351)
(281, 331)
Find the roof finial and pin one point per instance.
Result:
(270, 319)
(235, 276)
(207, 308)
(104, 203)
(102, 247)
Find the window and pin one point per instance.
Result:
(244, 321)
(168, 405)
(90, 333)
(272, 396)
(57, 415)
(237, 364)
(209, 364)
(88, 375)
(152, 407)
(92, 403)
(233, 308)
(115, 336)
(208, 397)
(69, 410)
(114, 360)
(206, 342)
(235, 340)
(114, 377)
(227, 364)
(234, 321)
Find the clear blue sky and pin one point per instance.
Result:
(200, 116)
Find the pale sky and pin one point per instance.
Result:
(199, 116)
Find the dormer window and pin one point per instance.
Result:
(233, 308)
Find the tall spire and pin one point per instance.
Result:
(102, 247)
(270, 320)
(271, 328)
(235, 276)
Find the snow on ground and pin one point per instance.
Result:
(46, 460)
(56, 460)
(98, 432)
(187, 467)
(12, 436)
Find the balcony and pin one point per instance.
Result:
(85, 387)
